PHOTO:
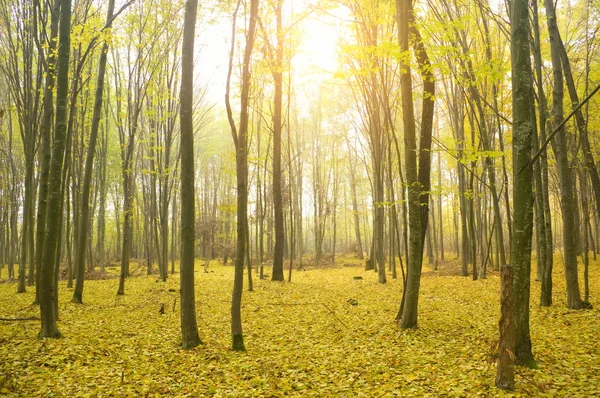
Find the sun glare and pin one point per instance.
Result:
(316, 60)
(317, 54)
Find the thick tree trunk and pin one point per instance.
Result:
(505, 376)
(523, 121)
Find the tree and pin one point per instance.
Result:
(277, 128)
(546, 259)
(408, 317)
(523, 131)
(560, 146)
(48, 314)
(46, 140)
(189, 328)
(89, 165)
(144, 54)
(418, 176)
(24, 72)
(240, 139)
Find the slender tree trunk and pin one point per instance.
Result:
(27, 225)
(581, 123)
(189, 327)
(101, 227)
(408, 316)
(565, 176)
(89, 166)
(584, 232)
(355, 211)
(277, 274)
(46, 142)
(540, 222)
(47, 313)
(240, 139)
(546, 290)
(433, 234)
(440, 218)
(173, 234)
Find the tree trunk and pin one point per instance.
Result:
(47, 313)
(505, 375)
(241, 148)
(355, 211)
(546, 290)
(277, 274)
(523, 121)
(101, 227)
(581, 123)
(408, 317)
(189, 327)
(440, 218)
(89, 166)
(565, 176)
(46, 142)
(584, 232)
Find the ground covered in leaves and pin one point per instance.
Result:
(324, 334)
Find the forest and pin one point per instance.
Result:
(311, 198)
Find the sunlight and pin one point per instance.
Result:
(317, 53)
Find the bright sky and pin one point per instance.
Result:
(314, 62)
(317, 54)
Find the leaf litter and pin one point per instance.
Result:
(324, 334)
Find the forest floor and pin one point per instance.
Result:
(305, 338)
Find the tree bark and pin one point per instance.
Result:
(565, 176)
(240, 139)
(89, 166)
(523, 121)
(411, 294)
(189, 327)
(47, 313)
(277, 274)
(546, 290)
(505, 375)
(46, 142)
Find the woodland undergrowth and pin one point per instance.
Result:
(324, 334)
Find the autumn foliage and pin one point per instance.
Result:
(305, 338)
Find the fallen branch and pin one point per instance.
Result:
(140, 265)
(336, 317)
(529, 380)
(31, 318)
(356, 378)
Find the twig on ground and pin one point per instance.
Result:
(336, 317)
(529, 380)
